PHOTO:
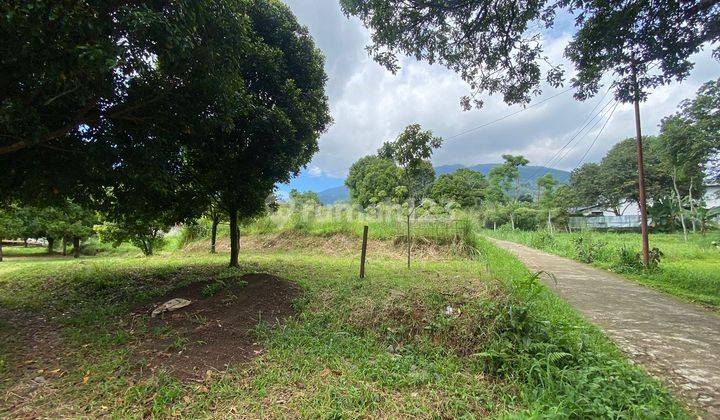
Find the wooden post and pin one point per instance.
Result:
(408, 240)
(363, 253)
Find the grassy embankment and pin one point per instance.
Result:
(689, 270)
(457, 337)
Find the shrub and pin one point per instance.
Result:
(190, 232)
(542, 239)
(586, 249)
(628, 261)
(526, 218)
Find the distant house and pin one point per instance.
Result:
(601, 217)
(712, 196)
(627, 208)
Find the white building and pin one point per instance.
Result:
(712, 195)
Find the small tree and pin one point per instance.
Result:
(546, 196)
(302, 199)
(373, 179)
(146, 234)
(505, 179)
(216, 215)
(411, 151)
(464, 187)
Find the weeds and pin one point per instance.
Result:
(457, 338)
(586, 248)
(213, 288)
(689, 270)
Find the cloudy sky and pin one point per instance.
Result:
(370, 105)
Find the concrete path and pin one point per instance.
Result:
(677, 342)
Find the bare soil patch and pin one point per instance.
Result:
(32, 348)
(216, 330)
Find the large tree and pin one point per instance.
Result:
(497, 47)
(619, 167)
(587, 189)
(267, 114)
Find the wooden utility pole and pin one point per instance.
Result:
(641, 175)
(363, 252)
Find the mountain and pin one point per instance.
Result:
(334, 194)
(528, 175)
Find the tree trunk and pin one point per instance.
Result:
(64, 246)
(213, 234)
(76, 247)
(512, 220)
(25, 244)
(1, 250)
(408, 239)
(549, 222)
(234, 238)
(679, 201)
(50, 245)
(692, 206)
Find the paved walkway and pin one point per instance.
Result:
(675, 341)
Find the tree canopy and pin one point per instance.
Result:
(497, 48)
(151, 111)
(373, 179)
(267, 129)
(464, 187)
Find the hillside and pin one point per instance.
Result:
(528, 175)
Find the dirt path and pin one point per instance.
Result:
(675, 341)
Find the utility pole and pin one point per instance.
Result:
(641, 174)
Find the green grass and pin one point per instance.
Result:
(507, 348)
(689, 270)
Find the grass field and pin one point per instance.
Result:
(689, 270)
(455, 338)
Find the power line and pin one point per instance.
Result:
(587, 120)
(508, 115)
(601, 115)
(598, 134)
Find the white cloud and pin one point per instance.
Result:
(315, 171)
(370, 105)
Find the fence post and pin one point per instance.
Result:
(363, 252)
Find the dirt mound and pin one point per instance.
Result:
(216, 329)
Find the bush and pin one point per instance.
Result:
(631, 262)
(628, 261)
(526, 218)
(588, 250)
(199, 229)
(542, 239)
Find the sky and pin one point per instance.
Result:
(370, 105)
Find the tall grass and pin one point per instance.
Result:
(450, 229)
(564, 366)
(690, 270)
